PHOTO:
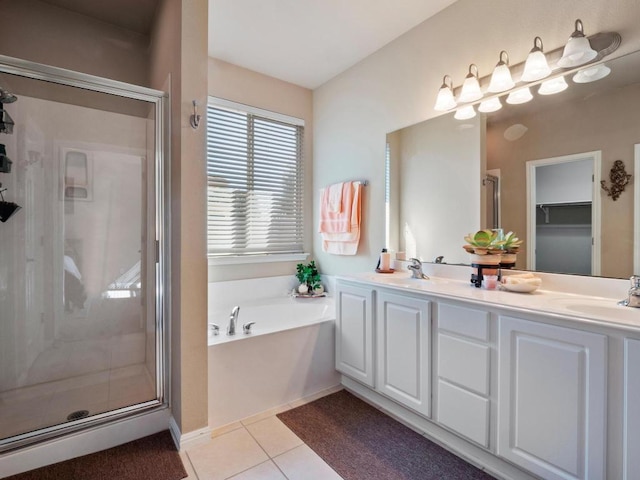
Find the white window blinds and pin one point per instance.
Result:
(255, 183)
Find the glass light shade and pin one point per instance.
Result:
(555, 85)
(471, 87)
(517, 97)
(536, 67)
(578, 50)
(501, 80)
(491, 105)
(465, 113)
(591, 74)
(445, 100)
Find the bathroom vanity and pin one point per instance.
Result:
(523, 385)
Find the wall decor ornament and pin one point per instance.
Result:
(619, 179)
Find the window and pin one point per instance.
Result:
(255, 181)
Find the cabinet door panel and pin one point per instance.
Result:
(464, 321)
(631, 409)
(354, 333)
(464, 363)
(464, 412)
(552, 390)
(403, 341)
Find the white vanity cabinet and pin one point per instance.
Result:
(552, 399)
(463, 371)
(354, 332)
(403, 350)
(631, 444)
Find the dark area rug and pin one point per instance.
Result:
(362, 443)
(154, 457)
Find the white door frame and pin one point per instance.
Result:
(596, 217)
(636, 211)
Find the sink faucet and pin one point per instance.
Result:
(416, 269)
(634, 293)
(439, 259)
(233, 318)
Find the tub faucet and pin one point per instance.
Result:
(416, 269)
(233, 318)
(634, 293)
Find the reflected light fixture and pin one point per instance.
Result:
(591, 74)
(501, 77)
(445, 100)
(491, 105)
(465, 113)
(522, 95)
(578, 50)
(7, 209)
(555, 85)
(536, 66)
(471, 87)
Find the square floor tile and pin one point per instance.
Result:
(302, 463)
(264, 471)
(274, 436)
(191, 474)
(226, 455)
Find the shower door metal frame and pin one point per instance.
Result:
(160, 102)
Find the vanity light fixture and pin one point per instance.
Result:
(445, 100)
(591, 74)
(578, 50)
(471, 87)
(536, 66)
(465, 113)
(501, 80)
(490, 105)
(553, 86)
(522, 95)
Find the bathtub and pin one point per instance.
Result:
(289, 355)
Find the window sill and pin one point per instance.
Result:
(248, 259)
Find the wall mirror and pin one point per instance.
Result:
(532, 168)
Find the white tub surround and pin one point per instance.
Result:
(523, 385)
(289, 354)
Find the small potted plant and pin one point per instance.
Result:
(510, 246)
(309, 278)
(484, 247)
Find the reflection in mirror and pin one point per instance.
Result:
(450, 177)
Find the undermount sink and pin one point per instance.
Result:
(590, 306)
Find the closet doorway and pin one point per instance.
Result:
(563, 214)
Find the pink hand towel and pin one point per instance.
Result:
(346, 243)
(331, 222)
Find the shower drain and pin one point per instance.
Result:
(77, 415)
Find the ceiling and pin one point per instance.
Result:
(307, 42)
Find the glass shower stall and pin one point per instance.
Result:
(82, 251)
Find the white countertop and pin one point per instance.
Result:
(586, 309)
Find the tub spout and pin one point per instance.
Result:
(233, 319)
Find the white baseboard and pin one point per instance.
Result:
(84, 442)
(188, 440)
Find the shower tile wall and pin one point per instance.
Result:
(73, 308)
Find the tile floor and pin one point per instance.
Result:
(258, 448)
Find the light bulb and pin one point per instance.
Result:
(536, 66)
(491, 105)
(465, 113)
(578, 50)
(445, 100)
(523, 95)
(501, 80)
(471, 87)
(555, 85)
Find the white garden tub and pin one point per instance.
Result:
(289, 355)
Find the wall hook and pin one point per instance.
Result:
(619, 179)
(195, 118)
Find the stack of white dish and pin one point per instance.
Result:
(521, 282)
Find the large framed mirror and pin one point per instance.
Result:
(532, 168)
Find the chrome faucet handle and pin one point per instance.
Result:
(415, 262)
(439, 259)
(246, 328)
(635, 282)
(215, 329)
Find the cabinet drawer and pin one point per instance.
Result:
(464, 321)
(464, 412)
(464, 363)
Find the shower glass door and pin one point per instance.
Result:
(80, 320)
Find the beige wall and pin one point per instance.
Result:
(397, 86)
(36, 31)
(608, 123)
(238, 84)
(179, 60)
